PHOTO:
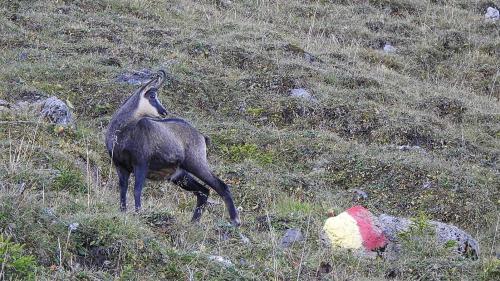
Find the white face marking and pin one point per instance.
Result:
(145, 108)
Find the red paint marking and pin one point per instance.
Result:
(372, 238)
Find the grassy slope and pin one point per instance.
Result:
(233, 68)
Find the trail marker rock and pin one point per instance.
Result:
(356, 228)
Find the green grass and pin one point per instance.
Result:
(286, 158)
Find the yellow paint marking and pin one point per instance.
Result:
(342, 230)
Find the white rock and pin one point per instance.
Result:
(408, 147)
(73, 226)
(4, 103)
(301, 93)
(221, 260)
(244, 239)
(492, 14)
(56, 111)
(388, 48)
(394, 226)
(4, 106)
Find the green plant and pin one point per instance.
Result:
(240, 152)
(15, 264)
(69, 178)
(419, 229)
(491, 270)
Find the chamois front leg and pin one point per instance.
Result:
(140, 178)
(123, 176)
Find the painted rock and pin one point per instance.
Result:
(356, 228)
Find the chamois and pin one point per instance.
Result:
(141, 142)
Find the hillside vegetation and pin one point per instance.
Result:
(417, 129)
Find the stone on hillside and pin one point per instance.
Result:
(388, 48)
(4, 104)
(291, 236)
(136, 77)
(427, 184)
(394, 226)
(492, 14)
(221, 260)
(225, 4)
(359, 194)
(407, 147)
(311, 58)
(23, 56)
(56, 111)
(301, 93)
(244, 239)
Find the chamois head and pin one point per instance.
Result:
(149, 105)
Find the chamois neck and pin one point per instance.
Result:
(126, 113)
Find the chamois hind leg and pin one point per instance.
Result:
(123, 176)
(204, 174)
(187, 182)
(140, 178)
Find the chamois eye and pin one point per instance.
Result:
(152, 96)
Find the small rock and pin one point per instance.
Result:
(359, 194)
(23, 56)
(427, 184)
(492, 14)
(408, 147)
(73, 226)
(225, 4)
(244, 239)
(56, 111)
(301, 93)
(136, 78)
(388, 48)
(311, 58)
(4, 104)
(221, 260)
(291, 236)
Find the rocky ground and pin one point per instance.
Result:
(311, 107)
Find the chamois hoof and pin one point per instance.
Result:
(195, 221)
(236, 222)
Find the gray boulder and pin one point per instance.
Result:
(4, 105)
(301, 93)
(394, 226)
(136, 77)
(388, 48)
(291, 236)
(492, 14)
(56, 111)
(221, 260)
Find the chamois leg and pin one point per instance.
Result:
(187, 182)
(140, 178)
(221, 188)
(123, 176)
